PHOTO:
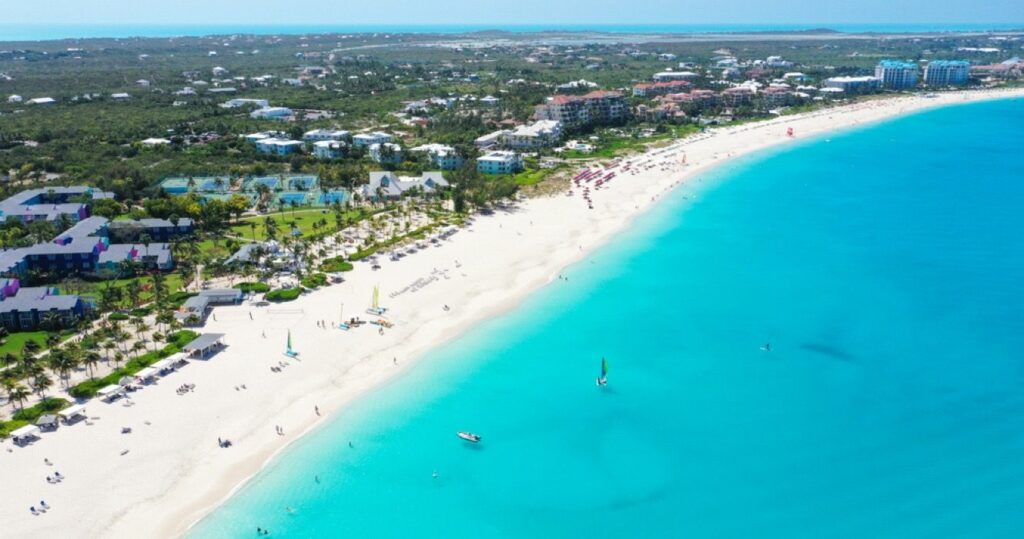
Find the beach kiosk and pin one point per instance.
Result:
(48, 422)
(72, 413)
(25, 435)
(111, 393)
(164, 366)
(205, 345)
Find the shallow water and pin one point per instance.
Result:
(884, 267)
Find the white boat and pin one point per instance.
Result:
(469, 436)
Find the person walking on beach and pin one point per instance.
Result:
(317, 410)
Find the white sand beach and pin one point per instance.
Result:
(169, 471)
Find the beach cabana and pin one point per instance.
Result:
(72, 412)
(111, 392)
(163, 366)
(205, 345)
(147, 374)
(48, 421)
(24, 435)
(178, 360)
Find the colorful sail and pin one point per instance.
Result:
(289, 341)
(376, 297)
(604, 368)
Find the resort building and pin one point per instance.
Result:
(325, 134)
(574, 111)
(737, 95)
(195, 309)
(489, 101)
(696, 97)
(947, 72)
(87, 249)
(540, 134)
(649, 89)
(854, 85)
(363, 140)
(442, 156)
(388, 185)
(329, 149)
(240, 102)
(666, 76)
(489, 140)
(385, 152)
(29, 308)
(276, 146)
(42, 101)
(272, 113)
(499, 162)
(896, 75)
(50, 204)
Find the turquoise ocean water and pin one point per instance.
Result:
(884, 265)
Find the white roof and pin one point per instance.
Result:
(72, 410)
(162, 364)
(25, 431)
(110, 390)
(147, 372)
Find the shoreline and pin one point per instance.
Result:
(171, 479)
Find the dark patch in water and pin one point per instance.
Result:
(827, 350)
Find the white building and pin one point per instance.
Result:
(540, 134)
(155, 142)
(243, 102)
(272, 113)
(15, 98)
(499, 162)
(665, 76)
(363, 140)
(490, 139)
(854, 85)
(442, 156)
(120, 96)
(489, 101)
(328, 149)
(219, 71)
(390, 185)
(896, 75)
(42, 101)
(385, 152)
(325, 134)
(276, 146)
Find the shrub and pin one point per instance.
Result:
(89, 388)
(283, 294)
(336, 264)
(253, 287)
(43, 407)
(315, 280)
(118, 316)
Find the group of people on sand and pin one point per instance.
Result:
(185, 388)
(223, 443)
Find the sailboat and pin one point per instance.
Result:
(289, 352)
(603, 379)
(375, 308)
(341, 317)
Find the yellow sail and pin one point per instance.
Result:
(376, 297)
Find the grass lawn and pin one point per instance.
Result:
(16, 341)
(531, 177)
(171, 280)
(302, 219)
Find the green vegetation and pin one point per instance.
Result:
(256, 287)
(314, 280)
(15, 342)
(336, 264)
(283, 294)
(29, 415)
(176, 341)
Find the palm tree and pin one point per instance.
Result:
(9, 360)
(270, 227)
(41, 381)
(17, 393)
(62, 362)
(90, 359)
(252, 228)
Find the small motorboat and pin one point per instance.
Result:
(469, 436)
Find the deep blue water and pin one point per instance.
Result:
(42, 32)
(884, 265)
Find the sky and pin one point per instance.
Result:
(508, 12)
